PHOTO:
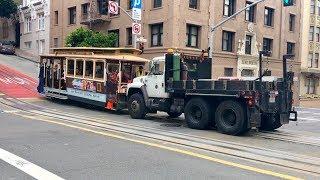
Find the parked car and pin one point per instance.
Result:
(7, 48)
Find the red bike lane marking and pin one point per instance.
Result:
(16, 84)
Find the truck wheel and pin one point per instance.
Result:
(230, 118)
(197, 114)
(270, 122)
(137, 107)
(174, 114)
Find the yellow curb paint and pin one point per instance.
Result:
(201, 156)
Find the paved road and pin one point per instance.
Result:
(75, 141)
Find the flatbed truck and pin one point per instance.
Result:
(232, 105)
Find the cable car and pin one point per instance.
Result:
(97, 76)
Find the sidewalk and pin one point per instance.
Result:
(310, 103)
(27, 56)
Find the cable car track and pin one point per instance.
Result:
(283, 159)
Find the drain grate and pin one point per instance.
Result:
(171, 125)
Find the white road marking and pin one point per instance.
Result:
(27, 167)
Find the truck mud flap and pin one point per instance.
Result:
(255, 120)
(284, 118)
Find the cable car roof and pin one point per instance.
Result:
(123, 57)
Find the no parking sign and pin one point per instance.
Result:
(136, 28)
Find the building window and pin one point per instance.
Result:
(5, 29)
(41, 46)
(316, 60)
(268, 16)
(41, 21)
(157, 35)
(72, 15)
(102, 7)
(318, 34)
(129, 4)
(311, 33)
(229, 7)
(116, 32)
(248, 44)
(227, 41)
(55, 42)
(28, 45)
(290, 48)
(129, 36)
(313, 62)
(193, 4)
(247, 73)
(85, 8)
(28, 24)
(267, 44)
(250, 12)
(228, 72)
(157, 3)
(192, 35)
(311, 86)
(292, 22)
(56, 17)
(312, 7)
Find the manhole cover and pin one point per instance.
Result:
(171, 125)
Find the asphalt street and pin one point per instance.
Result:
(75, 141)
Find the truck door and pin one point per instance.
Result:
(155, 82)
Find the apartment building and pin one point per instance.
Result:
(184, 24)
(310, 50)
(35, 26)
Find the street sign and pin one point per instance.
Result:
(136, 14)
(141, 39)
(288, 3)
(113, 8)
(136, 28)
(136, 9)
(137, 4)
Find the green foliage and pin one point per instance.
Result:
(7, 8)
(83, 37)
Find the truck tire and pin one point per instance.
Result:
(230, 118)
(174, 114)
(137, 107)
(270, 122)
(197, 114)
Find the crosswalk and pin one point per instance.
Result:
(308, 115)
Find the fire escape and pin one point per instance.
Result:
(95, 12)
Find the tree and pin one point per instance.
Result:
(83, 37)
(7, 8)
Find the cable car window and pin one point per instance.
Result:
(79, 68)
(71, 67)
(112, 74)
(89, 69)
(99, 70)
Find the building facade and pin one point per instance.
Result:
(35, 26)
(310, 50)
(185, 25)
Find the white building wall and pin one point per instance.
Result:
(32, 8)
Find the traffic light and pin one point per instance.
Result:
(288, 2)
